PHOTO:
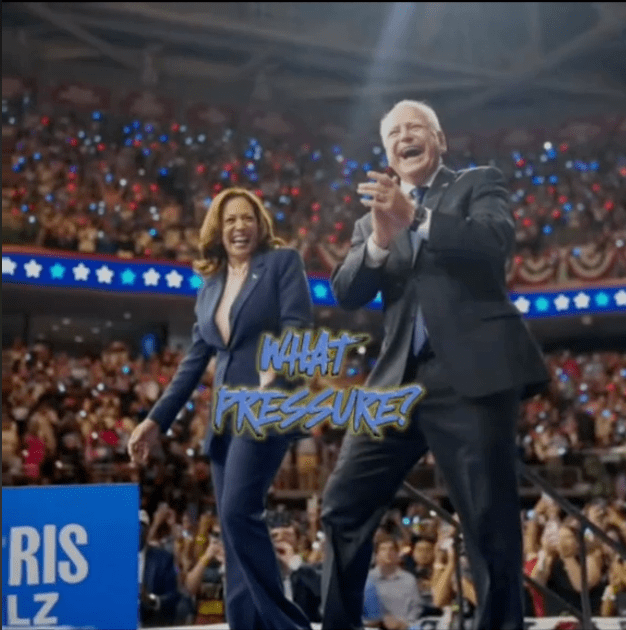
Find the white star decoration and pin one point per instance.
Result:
(8, 266)
(561, 302)
(582, 300)
(522, 304)
(104, 275)
(173, 279)
(151, 277)
(33, 268)
(81, 272)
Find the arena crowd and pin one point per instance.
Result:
(137, 189)
(68, 419)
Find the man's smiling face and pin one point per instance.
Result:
(413, 146)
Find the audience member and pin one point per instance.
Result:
(614, 596)
(444, 584)
(302, 580)
(158, 586)
(205, 581)
(560, 571)
(396, 589)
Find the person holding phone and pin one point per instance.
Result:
(444, 586)
(559, 569)
(435, 244)
(205, 580)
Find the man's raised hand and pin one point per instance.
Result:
(392, 210)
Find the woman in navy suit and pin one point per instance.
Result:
(252, 285)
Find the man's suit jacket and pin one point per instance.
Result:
(458, 279)
(159, 578)
(275, 296)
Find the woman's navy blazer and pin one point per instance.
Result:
(274, 296)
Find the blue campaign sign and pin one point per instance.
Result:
(69, 556)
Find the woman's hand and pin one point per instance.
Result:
(144, 436)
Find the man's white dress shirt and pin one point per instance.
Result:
(375, 256)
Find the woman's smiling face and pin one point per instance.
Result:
(240, 229)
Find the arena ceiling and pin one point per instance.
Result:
(342, 59)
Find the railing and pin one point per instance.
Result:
(312, 479)
(584, 615)
(302, 481)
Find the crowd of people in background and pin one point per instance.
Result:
(136, 189)
(412, 573)
(68, 419)
(139, 189)
(586, 407)
(64, 418)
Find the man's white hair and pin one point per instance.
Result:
(426, 109)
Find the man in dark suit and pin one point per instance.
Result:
(435, 243)
(301, 580)
(158, 585)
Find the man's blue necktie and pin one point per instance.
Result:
(419, 332)
(418, 193)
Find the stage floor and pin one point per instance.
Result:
(532, 623)
(217, 626)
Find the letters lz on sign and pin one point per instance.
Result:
(34, 560)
